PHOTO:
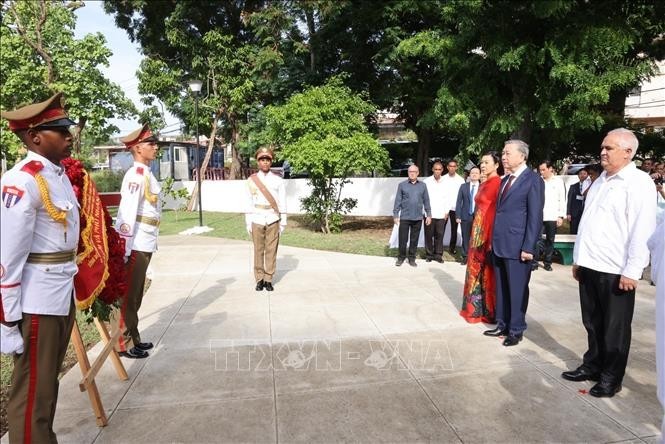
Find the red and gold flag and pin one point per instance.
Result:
(93, 256)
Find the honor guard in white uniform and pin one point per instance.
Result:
(265, 218)
(138, 223)
(39, 234)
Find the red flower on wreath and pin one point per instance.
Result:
(116, 284)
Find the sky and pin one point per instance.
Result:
(123, 63)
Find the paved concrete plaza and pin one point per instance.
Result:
(351, 348)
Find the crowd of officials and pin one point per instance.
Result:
(503, 209)
(510, 215)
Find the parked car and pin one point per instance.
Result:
(574, 168)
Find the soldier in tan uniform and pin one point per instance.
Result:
(138, 223)
(39, 238)
(265, 218)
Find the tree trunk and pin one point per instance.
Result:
(311, 28)
(37, 44)
(76, 136)
(524, 131)
(236, 161)
(424, 143)
(193, 199)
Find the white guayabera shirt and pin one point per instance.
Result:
(619, 216)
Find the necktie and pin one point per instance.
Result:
(473, 199)
(507, 187)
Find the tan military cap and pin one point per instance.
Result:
(264, 152)
(47, 114)
(143, 134)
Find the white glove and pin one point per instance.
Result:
(281, 228)
(11, 340)
(249, 229)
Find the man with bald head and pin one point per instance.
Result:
(517, 225)
(411, 201)
(609, 258)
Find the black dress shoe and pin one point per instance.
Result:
(412, 262)
(580, 374)
(144, 346)
(547, 267)
(268, 286)
(605, 389)
(429, 259)
(134, 353)
(399, 262)
(496, 332)
(260, 285)
(439, 260)
(512, 340)
(463, 261)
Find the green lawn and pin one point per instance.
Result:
(360, 235)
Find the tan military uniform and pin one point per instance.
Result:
(266, 224)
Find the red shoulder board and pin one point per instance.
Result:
(33, 167)
(139, 170)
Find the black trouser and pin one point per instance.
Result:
(452, 217)
(549, 229)
(574, 223)
(466, 236)
(607, 314)
(434, 238)
(406, 226)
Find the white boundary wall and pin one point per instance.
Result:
(375, 195)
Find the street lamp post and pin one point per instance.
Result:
(195, 86)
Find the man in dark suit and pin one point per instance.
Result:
(576, 194)
(465, 208)
(517, 224)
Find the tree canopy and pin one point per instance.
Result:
(463, 74)
(40, 56)
(322, 132)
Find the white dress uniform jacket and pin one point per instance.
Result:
(259, 210)
(555, 199)
(450, 187)
(27, 228)
(140, 210)
(656, 245)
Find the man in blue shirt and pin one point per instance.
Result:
(410, 200)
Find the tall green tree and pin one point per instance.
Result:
(233, 46)
(322, 131)
(40, 56)
(540, 71)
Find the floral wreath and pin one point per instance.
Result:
(115, 285)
